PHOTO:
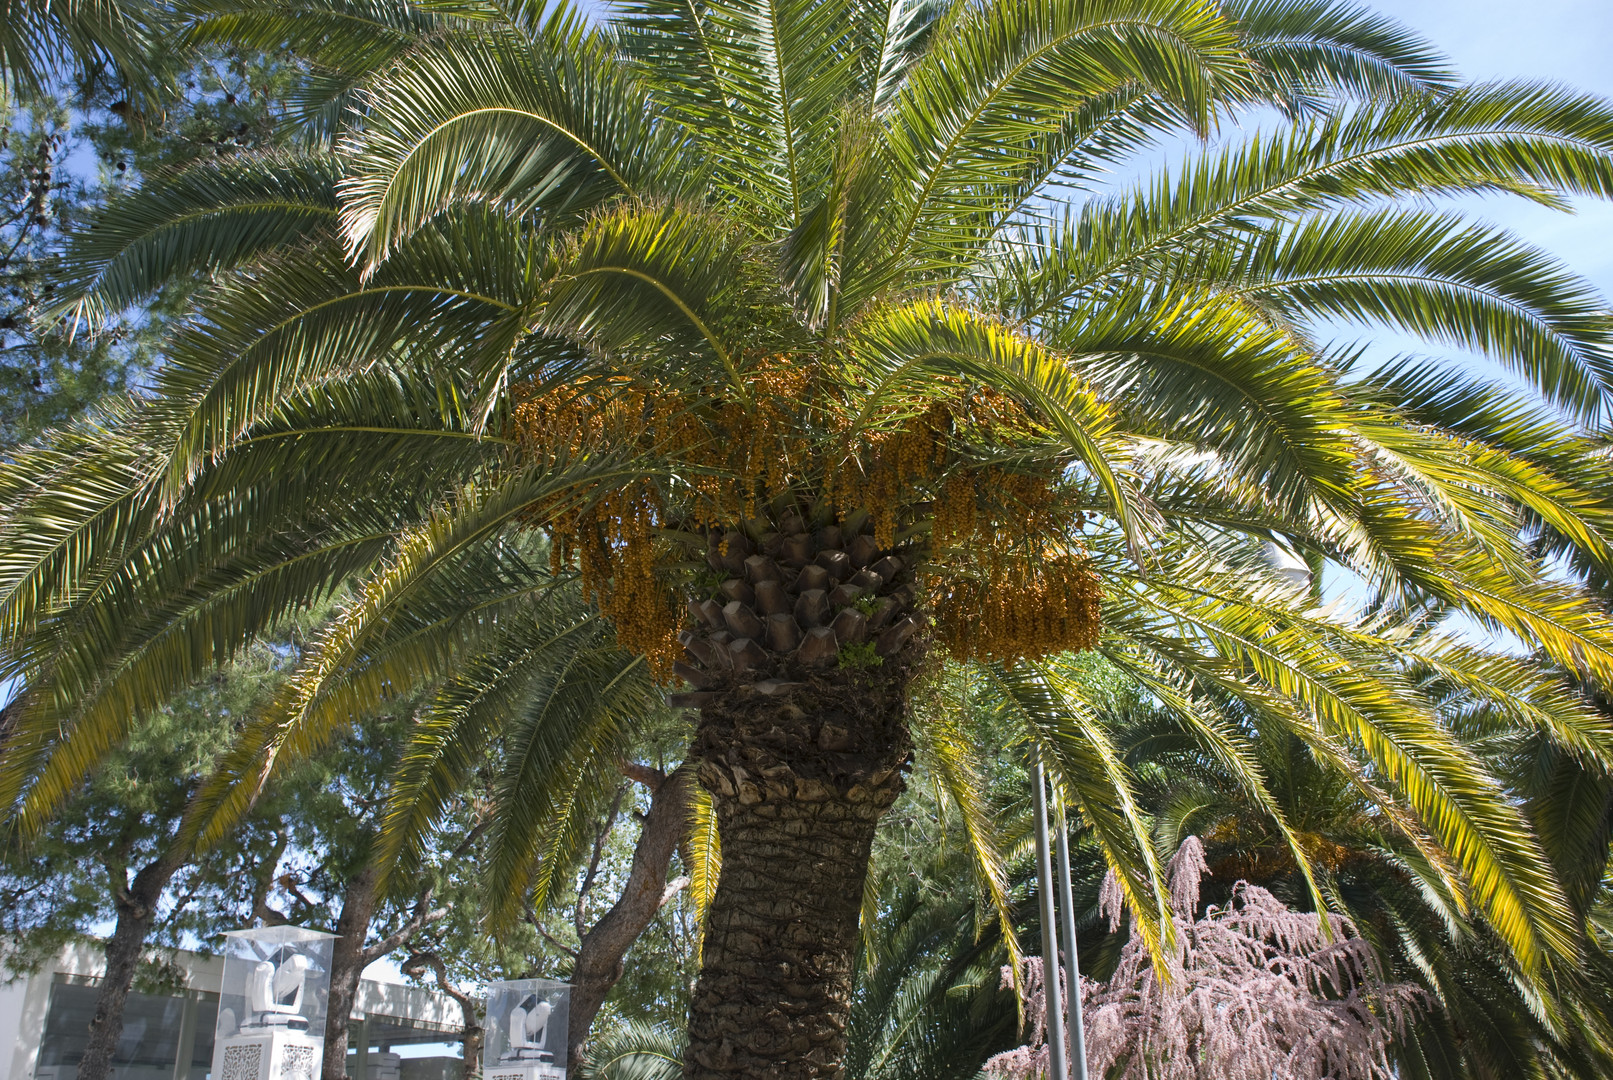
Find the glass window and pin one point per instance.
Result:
(145, 1050)
(201, 1055)
(401, 1049)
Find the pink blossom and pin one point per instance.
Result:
(1254, 991)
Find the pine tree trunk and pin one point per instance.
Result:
(600, 953)
(347, 964)
(470, 1031)
(800, 777)
(470, 1038)
(136, 910)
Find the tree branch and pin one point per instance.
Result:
(423, 914)
(263, 881)
(599, 958)
(550, 938)
(471, 837)
(647, 775)
(471, 1034)
(579, 913)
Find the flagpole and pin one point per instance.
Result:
(1050, 938)
(1078, 1035)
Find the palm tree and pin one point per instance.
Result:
(781, 322)
(45, 39)
(1487, 1023)
(928, 1000)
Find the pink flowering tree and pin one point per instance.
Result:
(1252, 991)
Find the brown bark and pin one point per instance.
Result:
(598, 964)
(802, 746)
(8, 722)
(347, 964)
(799, 781)
(350, 956)
(263, 881)
(136, 904)
(470, 1034)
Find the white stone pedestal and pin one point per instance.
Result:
(522, 1070)
(385, 1066)
(275, 1054)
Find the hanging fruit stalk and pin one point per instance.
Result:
(824, 547)
(792, 568)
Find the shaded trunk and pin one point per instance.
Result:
(349, 957)
(347, 963)
(799, 666)
(470, 1037)
(470, 1034)
(136, 907)
(598, 965)
(800, 778)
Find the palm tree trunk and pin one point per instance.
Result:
(136, 907)
(800, 778)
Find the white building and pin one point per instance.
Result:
(399, 1032)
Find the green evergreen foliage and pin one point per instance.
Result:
(47, 376)
(66, 148)
(897, 201)
(58, 887)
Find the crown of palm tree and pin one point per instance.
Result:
(873, 203)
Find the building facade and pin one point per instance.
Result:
(398, 1031)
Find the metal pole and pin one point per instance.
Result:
(358, 1037)
(187, 1037)
(1050, 938)
(1078, 1035)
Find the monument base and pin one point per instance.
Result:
(275, 1054)
(523, 1070)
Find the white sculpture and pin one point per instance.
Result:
(271, 1010)
(274, 994)
(529, 1029)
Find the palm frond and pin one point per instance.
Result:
(1070, 740)
(1309, 48)
(635, 1051)
(898, 347)
(311, 706)
(549, 126)
(975, 111)
(703, 854)
(949, 756)
(204, 219)
(44, 39)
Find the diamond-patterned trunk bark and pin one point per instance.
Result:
(800, 781)
(802, 661)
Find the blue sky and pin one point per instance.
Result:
(1569, 41)
(1552, 39)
